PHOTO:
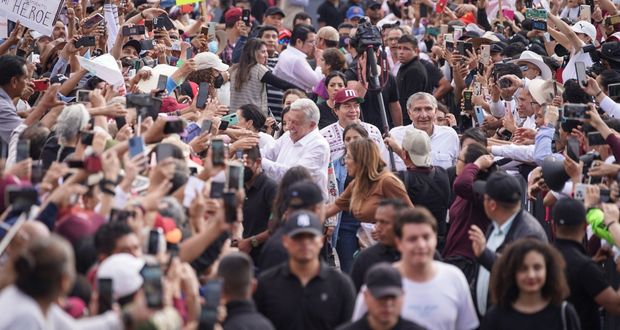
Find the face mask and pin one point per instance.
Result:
(213, 46)
(219, 81)
(248, 173)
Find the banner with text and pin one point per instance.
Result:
(38, 15)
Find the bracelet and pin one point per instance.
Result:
(142, 15)
(611, 223)
(599, 93)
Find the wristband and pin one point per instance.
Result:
(599, 93)
(609, 224)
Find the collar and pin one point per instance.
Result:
(323, 270)
(386, 249)
(258, 182)
(572, 244)
(434, 130)
(296, 52)
(308, 138)
(4, 95)
(240, 306)
(503, 229)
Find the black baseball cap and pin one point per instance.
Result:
(373, 3)
(303, 194)
(554, 173)
(500, 186)
(611, 51)
(135, 44)
(569, 212)
(274, 10)
(303, 222)
(383, 280)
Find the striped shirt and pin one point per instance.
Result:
(274, 94)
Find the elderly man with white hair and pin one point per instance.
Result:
(301, 145)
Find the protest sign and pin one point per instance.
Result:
(186, 2)
(104, 67)
(38, 15)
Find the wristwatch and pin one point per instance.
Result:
(254, 241)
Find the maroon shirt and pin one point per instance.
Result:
(466, 210)
(614, 143)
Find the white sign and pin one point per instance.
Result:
(38, 15)
(104, 67)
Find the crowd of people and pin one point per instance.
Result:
(378, 164)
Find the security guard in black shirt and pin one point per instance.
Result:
(303, 293)
(589, 288)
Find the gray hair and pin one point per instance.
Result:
(422, 95)
(309, 108)
(71, 121)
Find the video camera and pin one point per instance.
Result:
(367, 36)
(597, 66)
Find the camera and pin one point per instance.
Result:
(367, 36)
(597, 66)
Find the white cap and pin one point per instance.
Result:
(206, 60)
(585, 27)
(537, 60)
(124, 270)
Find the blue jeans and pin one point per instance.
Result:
(347, 243)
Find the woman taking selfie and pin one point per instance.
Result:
(334, 82)
(372, 182)
(528, 288)
(249, 76)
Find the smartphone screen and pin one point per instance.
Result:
(230, 206)
(203, 94)
(234, 176)
(479, 115)
(162, 81)
(153, 288)
(93, 20)
(87, 138)
(104, 294)
(136, 146)
(153, 242)
(217, 152)
(211, 292)
(582, 77)
(23, 150)
(206, 126)
(572, 149)
(467, 100)
(245, 16)
(83, 96)
(596, 139)
(174, 126)
(217, 190)
(164, 151)
(613, 91)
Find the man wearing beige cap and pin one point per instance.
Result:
(426, 185)
(327, 37)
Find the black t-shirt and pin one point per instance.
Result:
(550, 318)
(362, 324)
(328, 116)
(429, 187)
(433, 74)
(329, 14)
(369, 257)
(585, 280)
(370, 108)
(412, 77)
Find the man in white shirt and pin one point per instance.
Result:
(301, 145)
(422, 108)
(293, 65)
(437, 295)
(347, 108)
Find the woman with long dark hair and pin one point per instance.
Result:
(528, 288)
(249, 77)
(334, 82)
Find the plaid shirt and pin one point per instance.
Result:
(227, 53)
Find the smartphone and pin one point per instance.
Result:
(206, 126)
(612, 20)
(23, 150)
(212, 292)
(467, 102)
(120, 122)
(245, 16)
(485, 54)
(458, 33)
(231, 119)
(604, 196)
(573, 150)
(82, 96)
(104, 295)
(175, 126)
(463, 47)
(164, 151)
(613, 91)
(87, 41)
(37, 173)
(153, 288)
(117, 215)
(477, 89)
(230, 206)
(135, 30)
(575, 111)
(137, 65)
(147, 44)
(203, 95)
(431, 30)
(596, 139)
(449, 45)
(441, 4)
(87, 138)
(20, 198)
(223, 125)
(234, 176)
(154, 242)
(217, 190)
(582, 77)
(41, 85)
(479, 115)
(136, 146)
(580, 192)
(92, 164)
(163, 22)
(162, 81)
(217, 152)
(189, 53)
(585, 13)
(92, 21)
(539, 25)
(148, 24)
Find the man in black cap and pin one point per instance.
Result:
(374, 11)
(274, 16)
(384, 298)
(502, 204)
(304, 195)
(132, 48)
(304, 293)
(237, 272)
(385, 249)
(588, 285)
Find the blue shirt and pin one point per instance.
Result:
(9, 119)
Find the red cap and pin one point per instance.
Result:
(346, 95)
(232, 15)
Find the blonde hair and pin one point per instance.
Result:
(370, 167)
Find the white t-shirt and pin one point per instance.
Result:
(443, 303)
(569, 71)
